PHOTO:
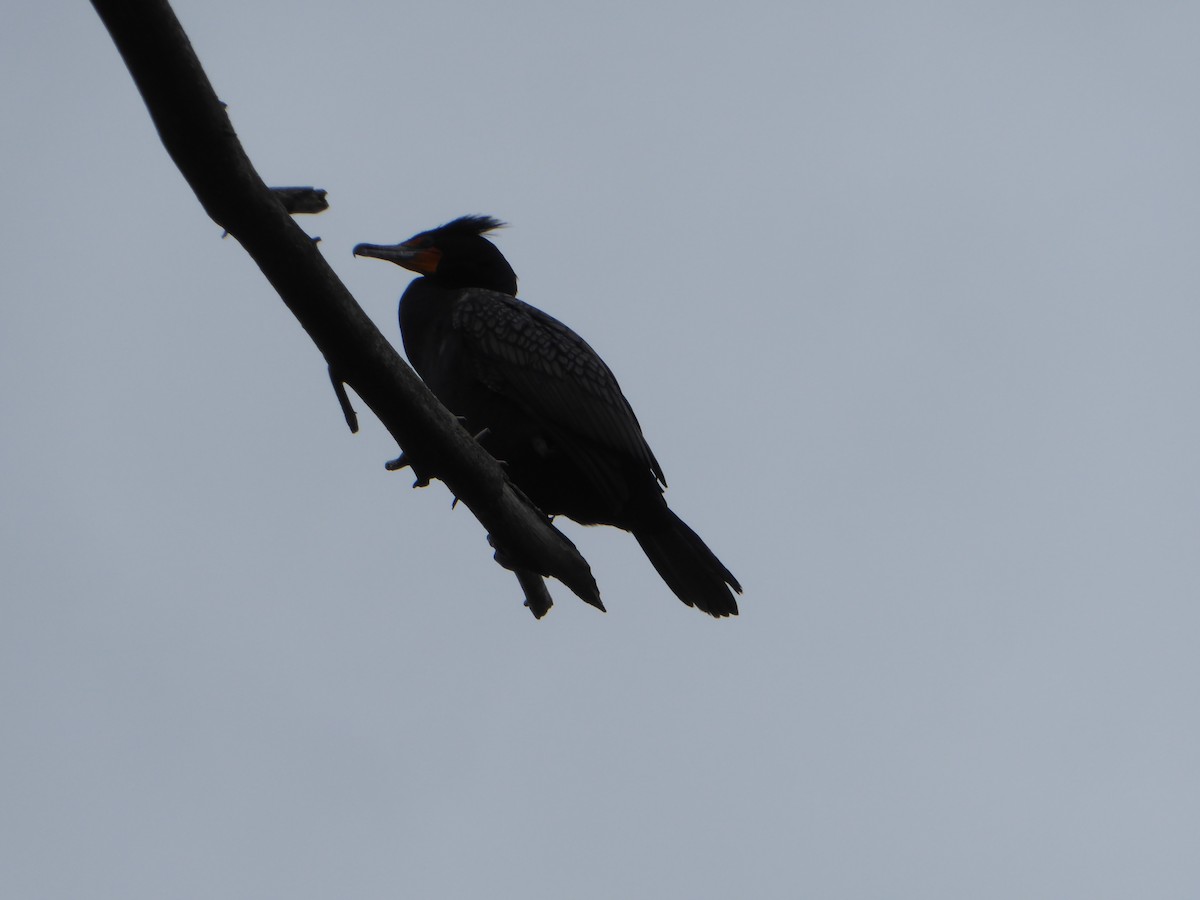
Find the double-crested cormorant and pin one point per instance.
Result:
(544, 401)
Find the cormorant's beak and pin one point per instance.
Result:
(423, 260)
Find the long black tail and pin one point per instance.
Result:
(689, 568)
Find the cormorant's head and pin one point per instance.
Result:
(455, 254)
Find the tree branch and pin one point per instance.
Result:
(200, 139)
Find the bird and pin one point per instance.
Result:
(542, 401)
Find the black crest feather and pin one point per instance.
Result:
(473, 224)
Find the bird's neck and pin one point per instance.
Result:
(422, 303)
(426, 308)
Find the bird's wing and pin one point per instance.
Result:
(535, 360)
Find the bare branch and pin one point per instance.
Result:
(302, 200)
(199, 137)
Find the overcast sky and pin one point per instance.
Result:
(905, 296)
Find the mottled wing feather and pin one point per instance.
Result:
(540, 363)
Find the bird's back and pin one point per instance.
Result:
(553, 409)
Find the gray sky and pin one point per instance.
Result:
(905, 296)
